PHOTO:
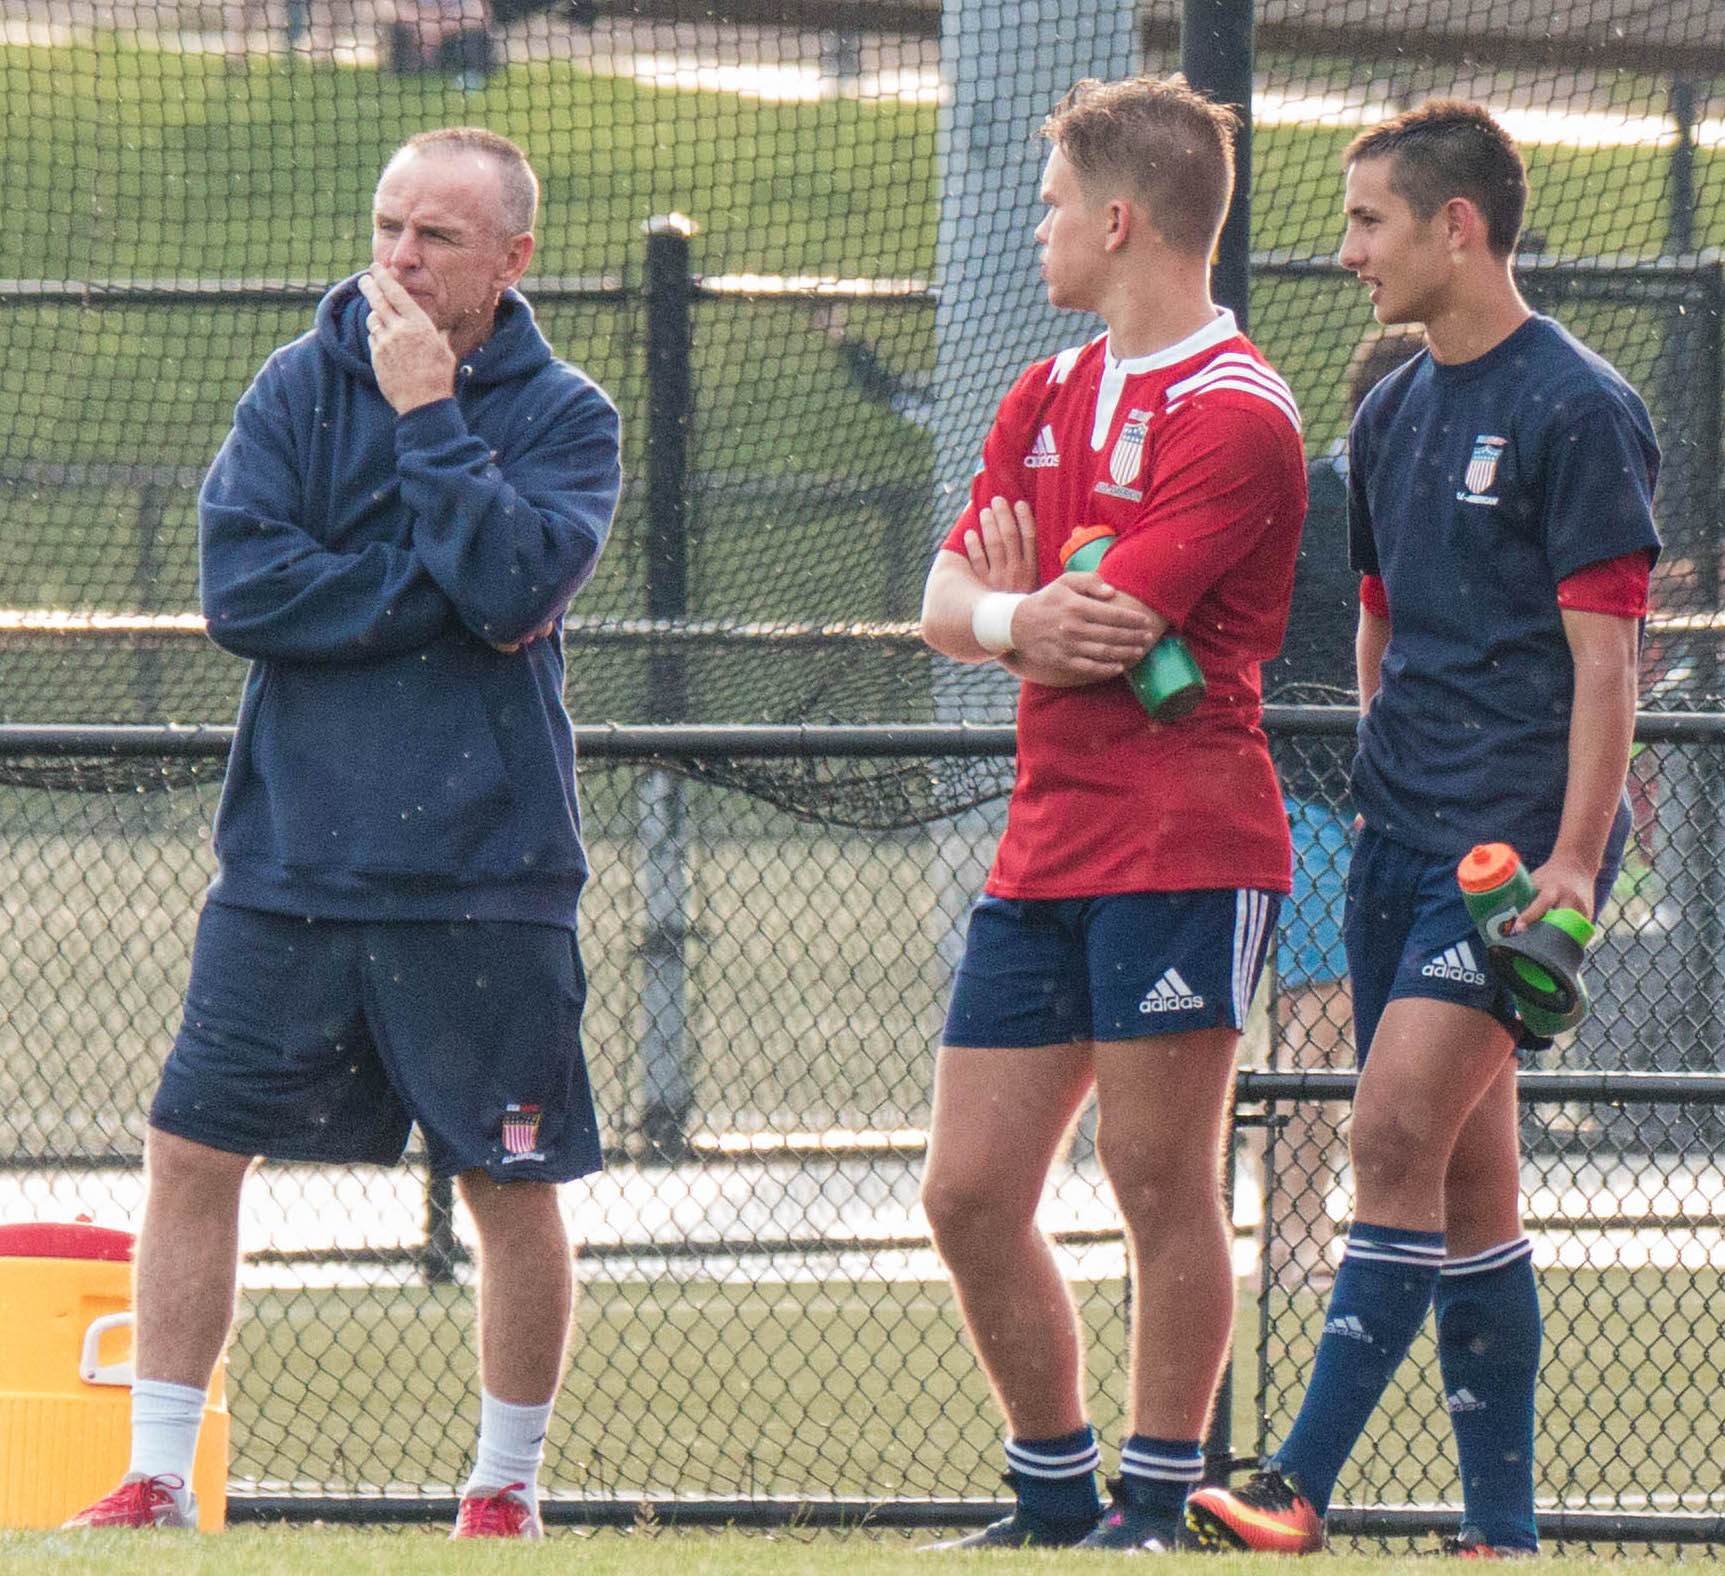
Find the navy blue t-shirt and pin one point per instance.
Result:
(1473, 490)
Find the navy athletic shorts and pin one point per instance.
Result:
(324, 1040)
(1409, 933)
(1059, 970)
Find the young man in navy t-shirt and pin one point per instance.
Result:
(1499, 514)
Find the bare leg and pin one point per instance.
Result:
(999, 1119)
(187, 1258)
(1482, 1188)
(526, 1286)
(1162, 1104)
(1431, 1064)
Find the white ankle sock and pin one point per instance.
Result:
(165, 1422)
(511, 1447)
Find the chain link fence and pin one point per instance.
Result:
(805, 371)
(764, 1331)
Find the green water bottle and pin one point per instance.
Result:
(1540, 966)
(1166, 679)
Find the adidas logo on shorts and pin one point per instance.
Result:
(1350, 1327)
(1170, 994)
(1463, 1400)
(1455, 963)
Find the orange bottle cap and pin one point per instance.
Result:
(1080, 537)
(1487, 865)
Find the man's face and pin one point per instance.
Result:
(436, 227)
(1071, 236)
(1404, 261)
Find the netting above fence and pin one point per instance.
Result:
(858, 289)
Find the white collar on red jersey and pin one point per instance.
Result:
(1219, 328)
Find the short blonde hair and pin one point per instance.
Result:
(1161, 138)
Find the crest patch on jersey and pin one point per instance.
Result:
(1128, 455)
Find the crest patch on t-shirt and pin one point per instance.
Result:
(1481, 474)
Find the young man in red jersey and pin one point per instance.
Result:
(1126, 917)
(1499, 511)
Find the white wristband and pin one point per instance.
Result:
(991, 620)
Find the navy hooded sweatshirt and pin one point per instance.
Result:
(389, 762)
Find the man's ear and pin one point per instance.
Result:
(516, 258)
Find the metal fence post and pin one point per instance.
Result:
(665, 1096)
(1216, 56)
(437, 1252)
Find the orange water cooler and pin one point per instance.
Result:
(66, 1376)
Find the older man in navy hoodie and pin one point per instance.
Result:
(409, 497)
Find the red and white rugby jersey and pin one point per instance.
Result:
(1192, 457)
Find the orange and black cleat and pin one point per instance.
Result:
(1268, 1516)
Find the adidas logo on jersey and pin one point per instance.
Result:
(1455, 963)
(1349, 1327)
(1463, 1400)
(1043, 452)
(1170, 994)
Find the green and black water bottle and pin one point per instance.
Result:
(1540, 966)
(1166, 679)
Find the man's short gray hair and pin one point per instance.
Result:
(520, 186)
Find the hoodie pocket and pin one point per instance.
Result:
(391, 769)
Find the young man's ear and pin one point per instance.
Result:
(1464, 225)
(1121, 220)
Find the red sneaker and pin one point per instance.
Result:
(1269, 1515)
(141, 1502)
(498, 1514)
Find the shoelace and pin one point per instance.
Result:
(141, 1500)
(495, 1515)
(1267, 1491)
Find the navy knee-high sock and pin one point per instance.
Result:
(1489, 1334)
(1383, 1289)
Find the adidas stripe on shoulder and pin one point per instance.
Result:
(1235, 370)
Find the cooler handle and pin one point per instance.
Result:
(90, 1369)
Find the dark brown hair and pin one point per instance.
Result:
(1160, 137)
(1449, 148)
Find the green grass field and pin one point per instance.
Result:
(291, 1551)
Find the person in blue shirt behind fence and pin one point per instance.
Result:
(408, 498)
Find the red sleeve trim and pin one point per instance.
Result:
(1617, 586)
(1373, 597)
